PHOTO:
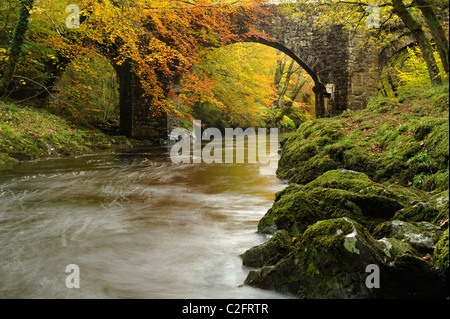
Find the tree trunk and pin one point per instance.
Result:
(436, 30)
(16, 44)
(287, 107)
(422, 41)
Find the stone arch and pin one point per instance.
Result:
(346, 74)
(288, 52)
(394, 47)
(322, 96)
(66, 62)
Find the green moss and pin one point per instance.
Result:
(437, 145)
(312, 270)
(29, 133)
(441, 253)
(394, 147)
(366, 209)
(311, 169)
(360, 173)
(293, 211)
(417, 213)
(326, 254)
(269, 253)
(329, 234)
(341, 179)
(336, 193)
(395, 247)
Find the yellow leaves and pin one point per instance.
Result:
(4, 55)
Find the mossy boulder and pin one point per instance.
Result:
(331, 259)
(334, 194)
(294, 210)
(441, 255)
(419, 212)
(344, 221)
(269, 253)
(310, 170)
(416, 238)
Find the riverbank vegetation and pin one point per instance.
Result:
(28, 133)
(367, 187)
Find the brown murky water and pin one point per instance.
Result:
(137, 226)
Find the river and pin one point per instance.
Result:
(135, 224)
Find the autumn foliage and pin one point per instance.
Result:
(162, 39)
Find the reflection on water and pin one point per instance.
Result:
(137, 226)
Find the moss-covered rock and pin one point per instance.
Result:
(441, 255)
(310, 170)
(367, 187)
(269, 253)
(337, 193)
(344, 222)
(329, 262)
(294, 211)
(419, 212)
(420, 236)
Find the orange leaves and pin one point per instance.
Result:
(163, 38)
(375, 148)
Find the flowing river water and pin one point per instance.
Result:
(135, 224)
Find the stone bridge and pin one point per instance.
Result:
(344, 67)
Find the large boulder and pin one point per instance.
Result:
(329, 261)
(270, 252)
(337, 193)
(331, 258)
(419, 238)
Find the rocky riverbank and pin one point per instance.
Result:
(366, 212)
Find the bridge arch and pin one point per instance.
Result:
(322, 96)
(346, 73)
(394, 47)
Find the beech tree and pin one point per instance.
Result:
(417, 31)
(288, 81)
(436, 29)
